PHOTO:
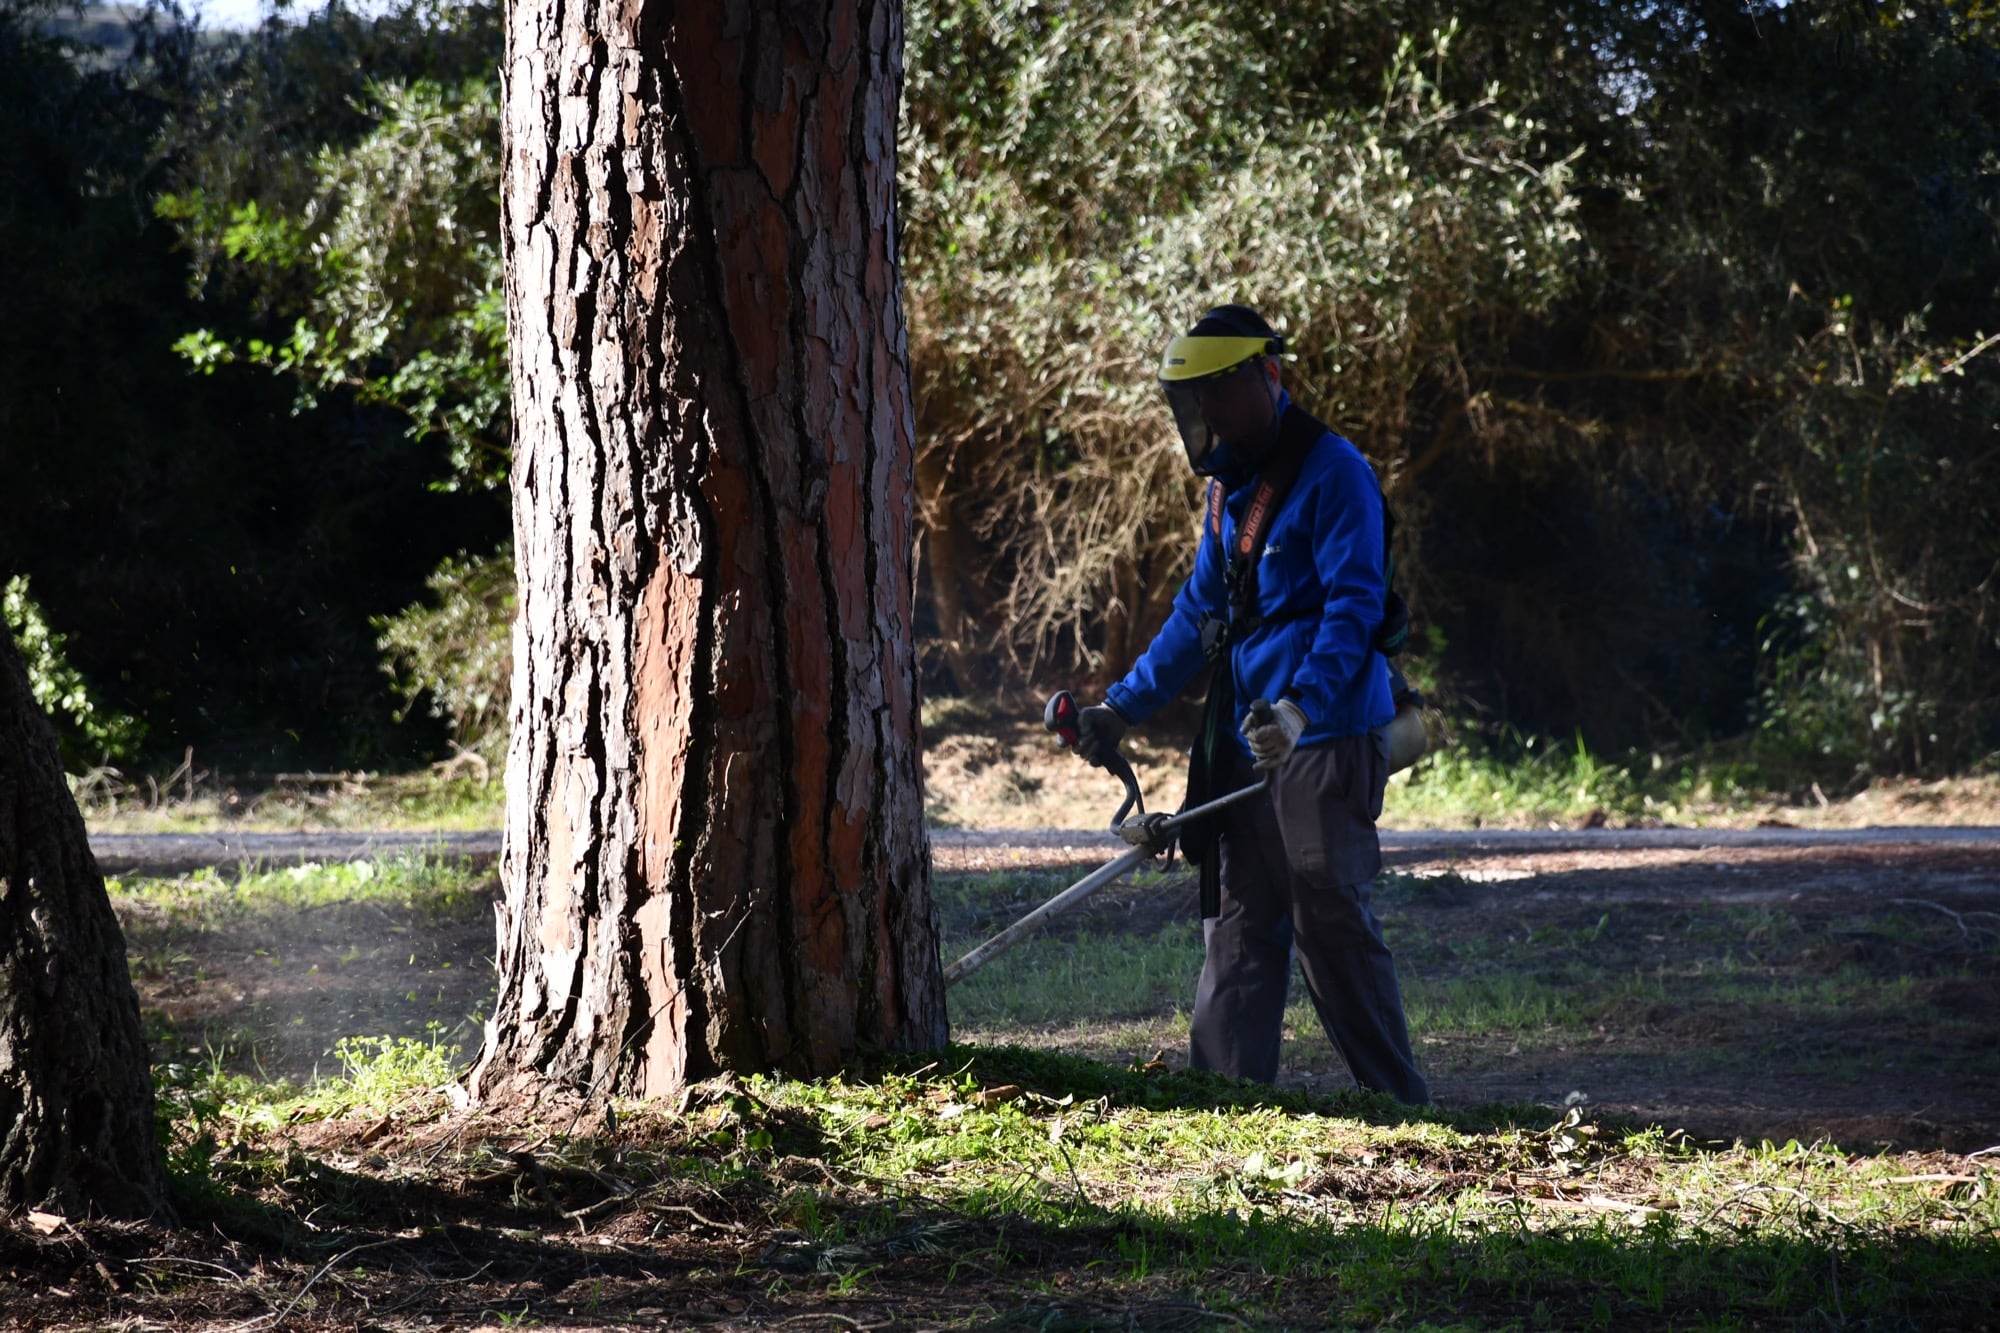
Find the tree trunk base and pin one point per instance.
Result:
(76, 1091)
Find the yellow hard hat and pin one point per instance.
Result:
(1194, 356)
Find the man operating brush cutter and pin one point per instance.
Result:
(1289, 599)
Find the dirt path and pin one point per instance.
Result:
(980, 849)
(1847, 992)
(967, 849)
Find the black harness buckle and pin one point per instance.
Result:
(1214, 637)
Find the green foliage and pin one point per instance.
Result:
(365, 226)
(1796, 287)
(213, 559)
(202, 1108)
(1624, 304)
(89, 732)
(456, 653)
(1668, 330)
(1528, 780)
(390, 263)
(205, 1111)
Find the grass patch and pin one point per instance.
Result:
(1124, 976)
(1113, 977)
(1533, 781)
(379, 1075)
(442, 888)
(281, 971)
(997, 1186)
(1002, 1187)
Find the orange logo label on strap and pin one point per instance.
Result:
(1253, 522)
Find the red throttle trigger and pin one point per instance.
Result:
(1065, 719)
(1061, 717)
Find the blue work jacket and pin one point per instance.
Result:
(1320, 589)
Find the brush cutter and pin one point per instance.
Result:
(1149, 835)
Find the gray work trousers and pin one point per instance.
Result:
(1296, 864)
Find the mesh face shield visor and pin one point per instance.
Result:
(1209, 409)
(1184, 400)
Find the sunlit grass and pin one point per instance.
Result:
(1533, 781)
(1402, 1211)
(1003, 1162)
(431, 885)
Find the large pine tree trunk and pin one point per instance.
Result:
(715, 856)
(76, 1087)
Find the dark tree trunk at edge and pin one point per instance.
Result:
(715, 856)
(76, 1087)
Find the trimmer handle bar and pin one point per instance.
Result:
(1063, 717)
(1160, 830)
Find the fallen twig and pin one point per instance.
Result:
(683, 1208)
(324, 1269)
(1958, 918)
(165, 1259)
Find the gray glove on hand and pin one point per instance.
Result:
(1272, 743)
(1098, 730)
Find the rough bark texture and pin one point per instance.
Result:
(76, 1087)
(715, 855)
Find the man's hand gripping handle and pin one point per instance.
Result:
(1063, 717)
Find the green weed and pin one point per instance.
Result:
(202, 1106)
(382, 1073)
(206, 1112)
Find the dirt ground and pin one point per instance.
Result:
(1865, 1062)
(272, 993)
(1847, 993)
